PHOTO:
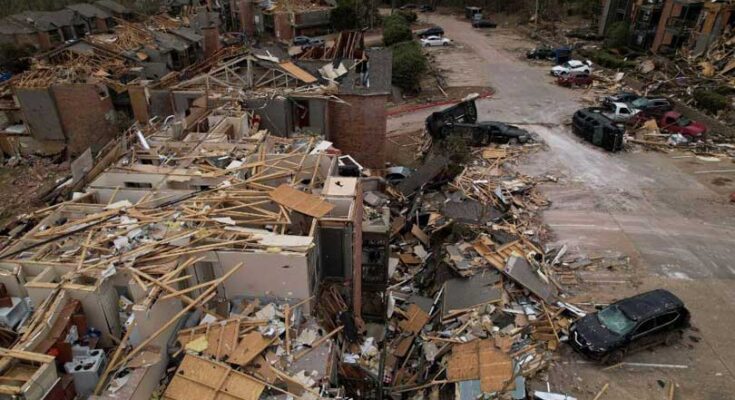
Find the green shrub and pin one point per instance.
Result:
(607, 60)
(343, 18)
(408, 15)
(409, 63)
(710, 100)
(617, 36)
(396, 30)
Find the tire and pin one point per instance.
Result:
(513, 141)
(616, 357)
(445, 44)
(672, 338)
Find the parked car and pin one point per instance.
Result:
(574, 80)
(652, 107)
(435, 41)
(596, 128)
(619, 112)
(621, 97)
(426, 8)
(674, 122)
(483, 23)
(461, 120)
(301, 40)
(408, 6)
(572, 66)
(433, 31)
(639, 322)
(541, 53)
(317, 42)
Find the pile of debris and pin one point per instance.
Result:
(473, 300)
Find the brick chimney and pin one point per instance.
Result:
(247, 17)
(211, 40)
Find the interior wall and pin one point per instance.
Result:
(285, 275)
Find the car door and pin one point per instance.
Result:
(644, 335)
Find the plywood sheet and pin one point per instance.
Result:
(250, 347)
(416, 320)
(304, 203)
(299, 73)
(198, 378)
(463, 363)
(495, 367)
(222, 339)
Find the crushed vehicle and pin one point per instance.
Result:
(639, 322)
(574, 80)
(461, 120)
(674, 122)
(433, 31)
(572, 66)
(593, 126)
(432, 41)
(620, 97)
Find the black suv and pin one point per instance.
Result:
(594, 127)
(433, 31)
(645, 320)
(653, 106)
(460, 120)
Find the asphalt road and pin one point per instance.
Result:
(676, 226)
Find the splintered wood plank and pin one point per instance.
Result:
(250, 347)
(416, 320)
(222, 339)
(463, 363)
(496, 368)
(198, 378)
(304, 203)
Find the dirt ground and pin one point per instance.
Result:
(24, 183)
(676, 225)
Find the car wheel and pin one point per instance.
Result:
(445, 44)
(672, 338)
(616, 357)
(513, 141)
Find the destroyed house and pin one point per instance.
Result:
(342, 99)
(96, 19)
(116, 9)
(42, 29)
(79, 76)
(203, 214)
(286, 21)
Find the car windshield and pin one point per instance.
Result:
(615, 320)
(637, 103)
(683, 121)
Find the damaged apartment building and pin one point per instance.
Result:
(233, 231)
(668, 25)
(92, 74)
(210, 218)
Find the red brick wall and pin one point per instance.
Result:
(358, 129)
(211, 41)
(247, 17)
(282, 26)
(87, 118)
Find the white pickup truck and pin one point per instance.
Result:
(619, 112)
